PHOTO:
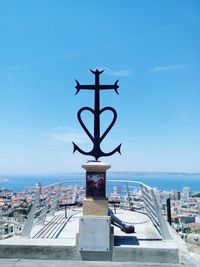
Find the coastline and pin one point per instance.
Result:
(3, 180)
(163, 181)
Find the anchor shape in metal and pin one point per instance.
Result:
(97, 138)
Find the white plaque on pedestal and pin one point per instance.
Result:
(94, 233)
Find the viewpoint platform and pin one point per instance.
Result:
(50, 236)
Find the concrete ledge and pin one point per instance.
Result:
(120, 254)
(59, 263)
(137, 254)
(39, 252)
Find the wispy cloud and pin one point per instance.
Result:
(46, 60)
(151, 32)
(62, 134)
(61, 128)
(18, 68)
(14, 68)
(169, 67)
(12, 82)
(69, 137)
(60, 57)
(116, 73)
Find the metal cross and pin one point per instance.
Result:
(96, 138)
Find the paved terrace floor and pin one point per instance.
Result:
(61, 231)
(54, 244)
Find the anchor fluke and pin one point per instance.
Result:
(74, 147)
(118, 149)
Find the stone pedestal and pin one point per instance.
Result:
(96, 207)
(96, 166)
(94, 233)
(94, 226)
(96, 203)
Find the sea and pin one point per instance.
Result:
(163, 181)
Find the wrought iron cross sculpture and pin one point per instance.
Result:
(97, 138)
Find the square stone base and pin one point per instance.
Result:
(96, 207)
(94, 233)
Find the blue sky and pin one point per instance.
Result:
(152, 47)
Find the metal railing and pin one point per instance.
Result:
(148, 204)
(51, 195)
(129, 192)
(8, 228)
(154, 212)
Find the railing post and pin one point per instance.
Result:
(128, 194)
(164, 232)
(169, 217)
(74, 199)
(31, 216)
(53, 207)
(46, 208)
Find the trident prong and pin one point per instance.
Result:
(97, 71)
(116, 87)
(77, 87)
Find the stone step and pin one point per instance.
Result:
(119, 254)
(59, 263)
